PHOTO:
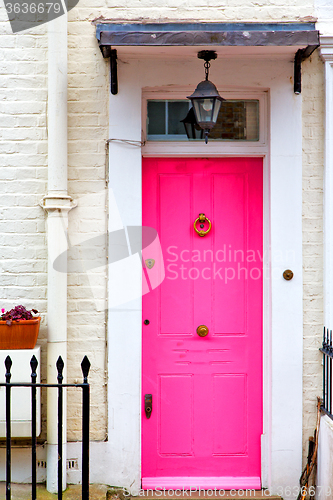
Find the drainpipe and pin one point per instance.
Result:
(57, 204)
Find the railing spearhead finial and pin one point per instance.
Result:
(85, 367)
(33, 364)
(60, 366)
(8, 365)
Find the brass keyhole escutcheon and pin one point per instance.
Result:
(202, 330)
(288, 274)
(148, 405)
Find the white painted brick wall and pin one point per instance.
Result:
(88, 104)
(313, 170)
(23, 181)
(196, 10)
(23, 173)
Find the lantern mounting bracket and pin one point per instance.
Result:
(207, 55)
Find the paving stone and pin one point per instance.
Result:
(73, 492)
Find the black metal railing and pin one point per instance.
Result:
(327, 350)
(85, 366)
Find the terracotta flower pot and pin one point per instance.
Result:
(20, 334)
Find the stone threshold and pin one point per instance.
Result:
(228, 495)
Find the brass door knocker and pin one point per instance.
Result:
(202, 218)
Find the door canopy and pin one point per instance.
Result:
(298, 39)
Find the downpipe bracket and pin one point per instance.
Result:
(54, 202)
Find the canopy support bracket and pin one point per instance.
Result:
(300, 56)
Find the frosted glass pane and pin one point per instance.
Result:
(252, 120)
(237, 121)
(156, 117)
(176, 112)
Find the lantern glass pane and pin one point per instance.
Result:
(216, 110)
(203, 109)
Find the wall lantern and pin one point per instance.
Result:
(205, 99)
(192, 129)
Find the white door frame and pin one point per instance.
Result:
(283, 314)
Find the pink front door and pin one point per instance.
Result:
(206, 419)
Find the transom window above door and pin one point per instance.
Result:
(238, 120)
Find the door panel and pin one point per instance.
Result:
(176, 391)
(231, 388)
(169, 211)
(206, 422)
(229, 192)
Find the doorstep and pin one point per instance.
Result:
(73, 492)
(228, 495)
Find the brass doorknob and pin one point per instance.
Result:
(202, 330)
(288, 274)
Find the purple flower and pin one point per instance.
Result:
(16, 314)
